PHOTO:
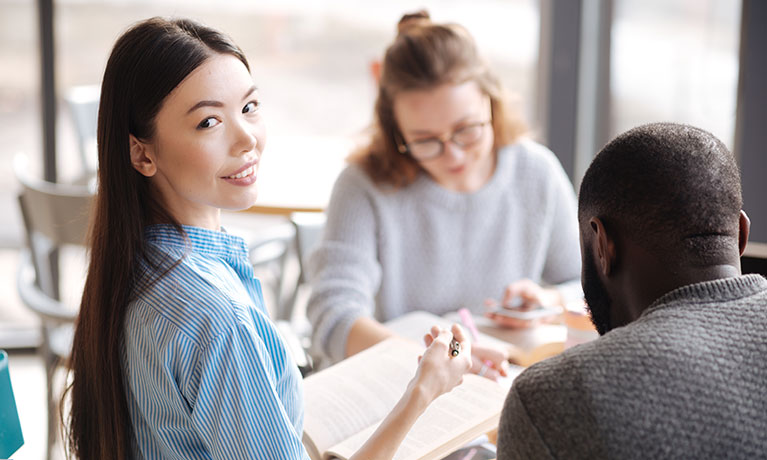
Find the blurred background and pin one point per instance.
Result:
(581, 71)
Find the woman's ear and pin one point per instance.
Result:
(142, 157)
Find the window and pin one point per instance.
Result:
(675, 60)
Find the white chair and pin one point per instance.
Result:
(83, 105)
(291, 319)
(309, 228)
(55, 216)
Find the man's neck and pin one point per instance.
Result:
(653, 276)
(666, 282)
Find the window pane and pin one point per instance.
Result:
(675, 60)
(20, 129)
(310, 59)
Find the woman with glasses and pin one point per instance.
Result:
(447, 206)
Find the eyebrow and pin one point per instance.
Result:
(209, 103)
(423, 132)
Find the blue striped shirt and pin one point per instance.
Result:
(207, 375)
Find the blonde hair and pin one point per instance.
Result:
(425, 55)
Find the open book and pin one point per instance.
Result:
(346, 402)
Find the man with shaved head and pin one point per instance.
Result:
(680, 369)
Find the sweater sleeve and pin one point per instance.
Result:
(518, 437)
(344, 271)
(549, 414)
(563, 259)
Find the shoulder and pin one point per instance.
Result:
(352, 185)
(556, 374)
(588, 367)
(545, 391)
(188, 297)
(354, 179)
(529, 168)
(356, 199)
(529, 157)
(549, 406)
(578, 370)
(353, 176)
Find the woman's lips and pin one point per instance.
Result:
(245, 176)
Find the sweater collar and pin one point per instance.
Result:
(721, 290)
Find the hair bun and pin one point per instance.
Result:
(410, 20)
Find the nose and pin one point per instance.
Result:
(245, 137)
(453, 152)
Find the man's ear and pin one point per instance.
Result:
(142, 157)
(604, 246)
(745, 228)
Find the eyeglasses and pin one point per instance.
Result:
(426, 149)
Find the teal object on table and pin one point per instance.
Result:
(10, 427)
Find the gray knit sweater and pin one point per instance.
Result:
(688, 379)
(385, 253)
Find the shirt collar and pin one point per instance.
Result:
(201, 240)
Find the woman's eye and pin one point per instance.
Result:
(425, 141)
(251, 106)
(208, 123)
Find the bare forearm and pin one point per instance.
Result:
(385, 441)
(439, 371)
(364, 333)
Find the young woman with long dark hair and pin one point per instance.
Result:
(174, 354)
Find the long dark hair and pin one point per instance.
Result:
(147, 62)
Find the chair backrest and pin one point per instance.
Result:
(309, 228)
(59, 213)
(308, 231)
(83, 103)
(11, 437)
(54, 215)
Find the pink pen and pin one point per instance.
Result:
(468, 321)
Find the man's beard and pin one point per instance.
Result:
(598, 300)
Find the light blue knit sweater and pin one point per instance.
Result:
(385, 253)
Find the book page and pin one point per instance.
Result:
(357, 393)
(415, 325)
(454, 419)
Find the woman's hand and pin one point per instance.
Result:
(438, 370)
(524, 295)
(489, 361)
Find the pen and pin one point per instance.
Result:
(468, 321)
